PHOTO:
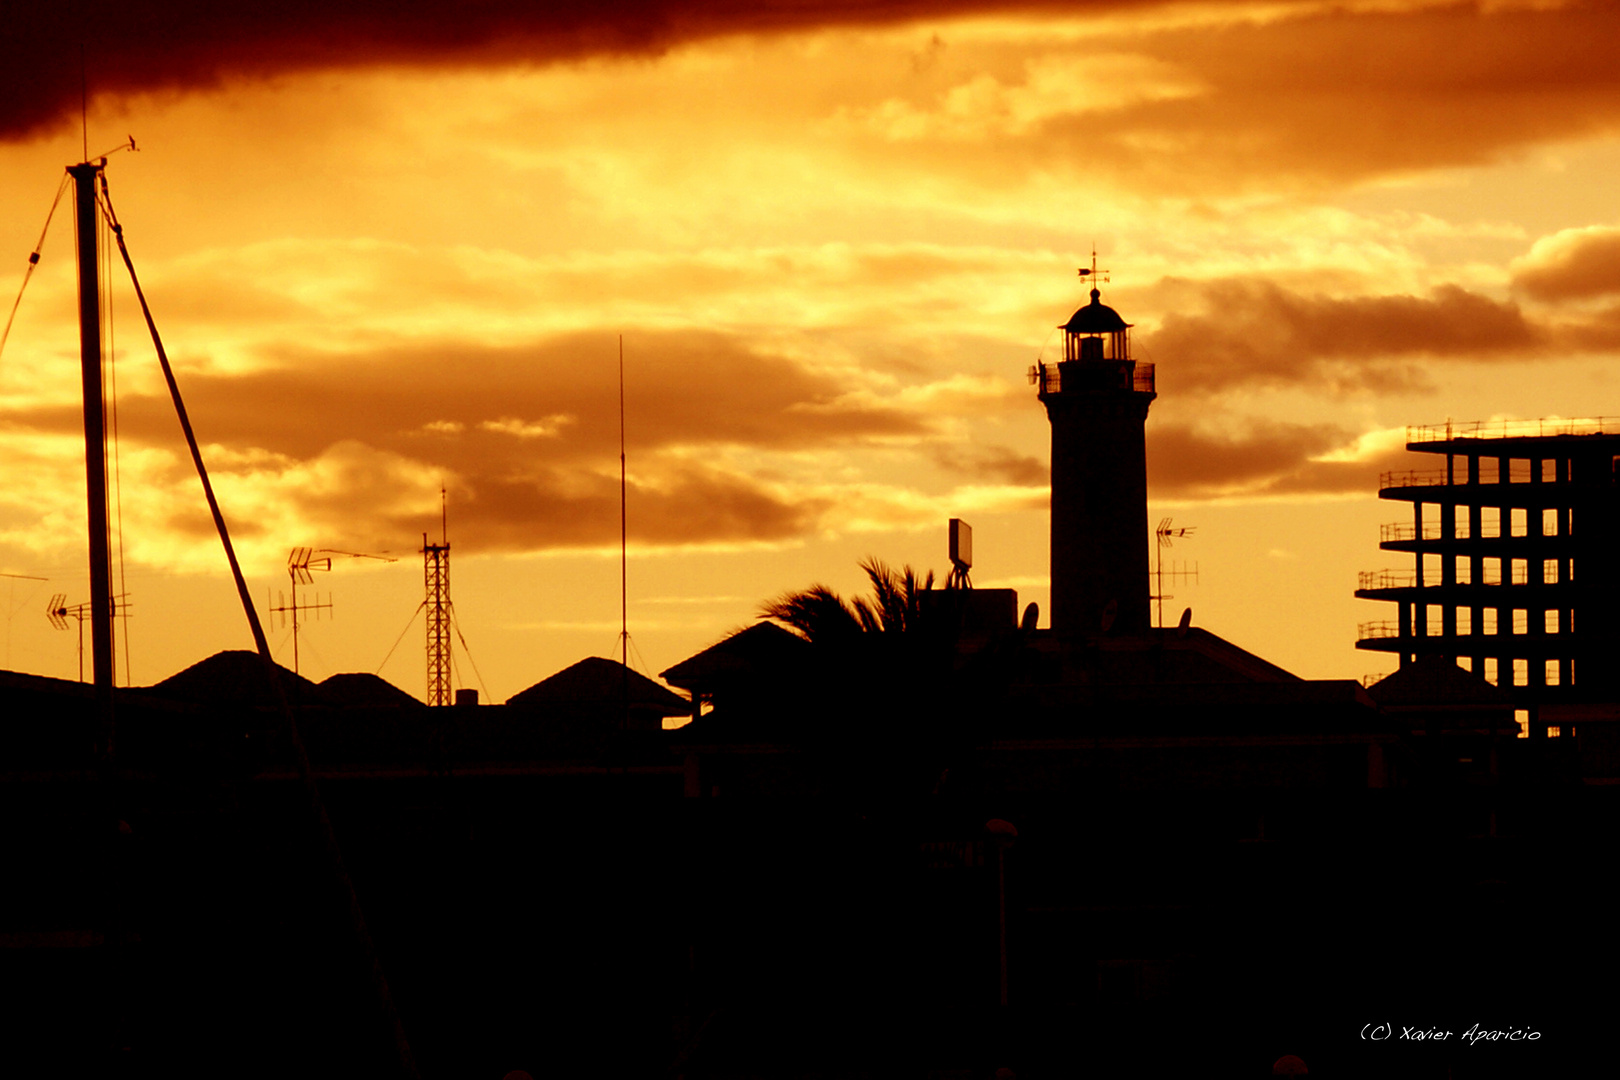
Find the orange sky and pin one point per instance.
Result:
(389, 251)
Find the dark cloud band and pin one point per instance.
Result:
(137, 45)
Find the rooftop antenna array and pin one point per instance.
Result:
(436, 578)
(299, 565)
(59, 613)
(1165, 536)
(302, 562)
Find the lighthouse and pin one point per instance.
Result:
(1097, 399)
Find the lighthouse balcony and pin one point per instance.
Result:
(1093, 375)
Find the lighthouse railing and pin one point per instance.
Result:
(1048, 378)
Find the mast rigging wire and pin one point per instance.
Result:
(456, 626)
(402, 1047)
(33, 261)
(409, 623)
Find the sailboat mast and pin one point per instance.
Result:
(85, 176)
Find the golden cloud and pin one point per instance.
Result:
(1256, 459)
(1256, 333)
(1572, 264)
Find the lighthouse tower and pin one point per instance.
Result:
(1097, 400)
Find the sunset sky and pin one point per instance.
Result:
(394, 246)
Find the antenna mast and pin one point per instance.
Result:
(624, 534)
(1165, 536)
(436, 577)
(84, 176)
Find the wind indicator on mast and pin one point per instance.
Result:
(1092, 274)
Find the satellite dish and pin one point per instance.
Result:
(1032, 613)
(1185, 624)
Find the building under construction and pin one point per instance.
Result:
(1511, 573)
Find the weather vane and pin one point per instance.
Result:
(1093, 274)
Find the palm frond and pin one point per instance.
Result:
(819, 614)
(816, 613)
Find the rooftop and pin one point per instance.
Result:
(1551, 427)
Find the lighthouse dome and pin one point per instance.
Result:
(1095, 318)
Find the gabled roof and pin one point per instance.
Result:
(759, 649)
(360, 689)
(234, 677)
(12, 682)
(1160, 656)
(1436, 680)
(599, 682)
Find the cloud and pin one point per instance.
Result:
(1596, 332)
(682, 388)
(1257, 333)
(546, 428)
(179, 45)
(1268, 458)
(1214, 100)
(1190, 97)
(996, 464)
(1573, 264)
(1047, 88)
(353, 447)
(1343, 94)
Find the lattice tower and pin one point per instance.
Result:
(436, 577)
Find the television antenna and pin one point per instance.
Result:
(1165, 536)
(302, 564)
(59, 613)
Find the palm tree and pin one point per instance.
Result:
(819, 614)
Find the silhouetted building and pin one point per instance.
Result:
(235, 677)
(364, 690)
(1097, 399)
(605, 691)
(749, 662)
(937, 851)
(1513, 575)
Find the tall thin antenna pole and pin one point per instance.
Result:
(95, 449)
(624, 532)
